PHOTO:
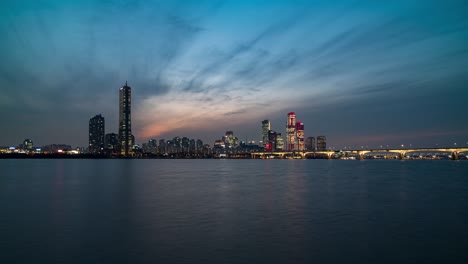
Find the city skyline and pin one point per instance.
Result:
(361, 73)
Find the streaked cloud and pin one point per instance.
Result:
(204, 67)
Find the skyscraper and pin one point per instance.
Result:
(265, 129)
(271, 143)
(310, 144)
(291, 132)
(125, 124)
(300, 136)
(96, 134)
(321, 143)
(112, 142)
(279, 142)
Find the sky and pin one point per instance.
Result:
(362, 73)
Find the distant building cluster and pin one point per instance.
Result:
(231, 145)
(27, 147)
(123, 142)
(273, 141)
(177, 146)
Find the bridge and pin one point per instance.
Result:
(454, 152)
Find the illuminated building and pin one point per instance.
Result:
(112, 142)
(291, 132)
(162, 146)
(321, 143)
(96, 134)
(229, 139)
(265, 129)
(56, 148)
(125, 120)
(279, 142)
(310, 144)
(300, 136)
(271, 143)
(28, 144)
(176, 145)
(219, 147)
(153, 146)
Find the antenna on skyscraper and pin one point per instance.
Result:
(125, 82)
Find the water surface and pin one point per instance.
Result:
(233, 211)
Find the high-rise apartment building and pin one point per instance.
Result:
(125, 120)
(265, 129)
(153, 146)
(199, 145)
(96, 134)
(321, 143)
(162, 146)
(291, 132)
(300, 136)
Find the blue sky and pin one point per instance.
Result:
(360, 72)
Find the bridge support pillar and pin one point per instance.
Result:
(455, 155)
(360, 156)
(401, 155)
(329, 155)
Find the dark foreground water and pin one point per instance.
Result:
(233, 211)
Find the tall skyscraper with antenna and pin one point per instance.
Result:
(125, 120)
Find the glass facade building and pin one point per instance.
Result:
(125, 120)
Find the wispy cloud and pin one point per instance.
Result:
(215, 65)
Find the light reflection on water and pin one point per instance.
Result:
(233, 211)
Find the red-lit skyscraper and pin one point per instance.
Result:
(300, 136)
(291, 132)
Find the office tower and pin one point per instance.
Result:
(291, 132)
(125, 120)
(96, 134)
(271, 143)
(310, 144)
(300, 136)
(111, 142)
(279, 142)
(265, 129)
(321, 143)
